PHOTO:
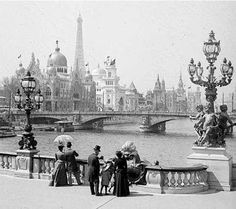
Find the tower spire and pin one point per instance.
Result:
(180, 84)
(79, 65)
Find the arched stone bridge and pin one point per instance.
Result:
(51, 117)
(94, 118)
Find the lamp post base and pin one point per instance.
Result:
(219, 164)
(24, 163)
(27, 141)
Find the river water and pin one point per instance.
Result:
(170, 149)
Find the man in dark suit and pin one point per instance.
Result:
(72, 167)
(93, 171)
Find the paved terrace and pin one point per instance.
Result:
(18, 193)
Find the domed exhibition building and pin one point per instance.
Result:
(76, 89)
(64, 89)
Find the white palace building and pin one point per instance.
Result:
(110, 95)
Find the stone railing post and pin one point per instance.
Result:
(219, 164)
(24, 163)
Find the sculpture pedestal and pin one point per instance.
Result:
(219, 164)
(24, 163)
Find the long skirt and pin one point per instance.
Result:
(121, 184)
(59, 177)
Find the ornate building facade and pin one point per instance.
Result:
(181, 101)
(63, 89)
(159, 96)
(110, 94)
(171, 100)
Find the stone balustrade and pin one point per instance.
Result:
(42, 166)
(159, 179)
(7, 163)
(177, 179)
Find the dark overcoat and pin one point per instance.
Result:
(93, 168)
(71, 161)
(121, 178)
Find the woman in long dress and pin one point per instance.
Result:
(121, 180)
(59, 177)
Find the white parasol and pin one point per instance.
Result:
(63, 139)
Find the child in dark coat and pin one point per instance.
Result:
(106, 175)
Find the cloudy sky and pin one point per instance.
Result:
(146, 38)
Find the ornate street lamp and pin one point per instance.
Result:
(211, 49)
(28, 85)
(213, 135)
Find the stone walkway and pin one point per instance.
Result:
(17, 193)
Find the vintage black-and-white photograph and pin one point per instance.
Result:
(117, 104)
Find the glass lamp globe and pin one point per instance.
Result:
(38, 97)
(211, 48)
(28, 83)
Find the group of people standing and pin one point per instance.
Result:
(113, 172)
(65, 167)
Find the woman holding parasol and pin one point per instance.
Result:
(59, 177)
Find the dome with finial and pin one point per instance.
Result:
(57, 59)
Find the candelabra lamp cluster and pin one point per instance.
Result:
(207, 79)
(211, 50)
(28, 104)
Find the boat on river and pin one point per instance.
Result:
(70, 126)
(64, 126)
(7, 131)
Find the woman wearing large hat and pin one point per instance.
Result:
(59, 177)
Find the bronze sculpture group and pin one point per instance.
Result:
(212, 127)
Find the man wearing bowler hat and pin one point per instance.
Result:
(93, 171)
